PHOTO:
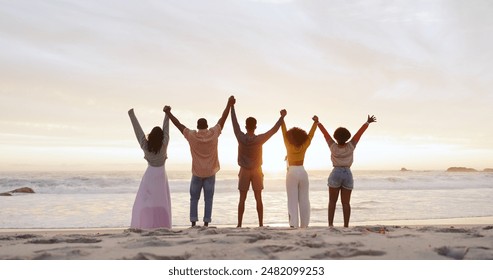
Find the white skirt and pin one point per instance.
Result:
(152, 206)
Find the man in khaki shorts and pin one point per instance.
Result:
(250, 162)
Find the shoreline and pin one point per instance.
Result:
(477, 221)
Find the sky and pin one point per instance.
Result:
(70, 71)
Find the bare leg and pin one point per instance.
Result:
(346, 206)
(241, 207)
(333, 197)
(260, 207)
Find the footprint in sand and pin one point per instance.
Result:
(466, 253)
(64, 253)
(70, 239)
(272, 249)
(20, 236)
(149, 256)
(457, 253)
(147, 242)
(479, 253)
(251, 237)
(349, 250)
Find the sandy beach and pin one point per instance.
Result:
(360, 242)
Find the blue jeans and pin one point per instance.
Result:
(196, 186)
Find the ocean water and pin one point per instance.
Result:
(105, 199)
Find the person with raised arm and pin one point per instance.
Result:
(250, 161)
(205, 161)
(341, 178)
(152, 206)
(297, 142)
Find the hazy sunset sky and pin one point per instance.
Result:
(70, 70)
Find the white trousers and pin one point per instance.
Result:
(298, 199)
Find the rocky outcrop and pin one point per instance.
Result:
(23, 190)
(461, 169)
(19, 190)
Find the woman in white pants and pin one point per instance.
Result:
(297, 142)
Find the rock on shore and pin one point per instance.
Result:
(19, 190)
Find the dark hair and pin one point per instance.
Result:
(342, 135)
(155, 140)
(251, 123)
(202, 123)
(297, 136)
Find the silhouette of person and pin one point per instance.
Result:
(341, 177)
(250, 161)
(152, 206)
(297, 142)
(205, 161)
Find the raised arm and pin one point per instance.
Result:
(284, 132)
(276, 126)
(225, 114)
(176, 122)
(234, 120)
(166, 127)
(363, 128)
(327, 136)
(313, 128)
(139, 133)
(267, 135)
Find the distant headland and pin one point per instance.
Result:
(466, 169)
(459, 169)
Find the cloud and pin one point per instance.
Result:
(73, 69)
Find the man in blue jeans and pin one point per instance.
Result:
(205, 160)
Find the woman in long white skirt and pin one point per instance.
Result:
(152, 206)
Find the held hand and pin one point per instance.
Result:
(315, 118)
(283, 112)
(231, 100)
(131, 110)
(371, 119)
(166, 109)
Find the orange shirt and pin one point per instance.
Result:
(203, 147)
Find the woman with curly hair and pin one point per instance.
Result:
(152, 206)
(297, 142)
(341, 178)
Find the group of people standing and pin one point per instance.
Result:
(152, 206)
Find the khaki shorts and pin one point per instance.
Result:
(255, 176)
